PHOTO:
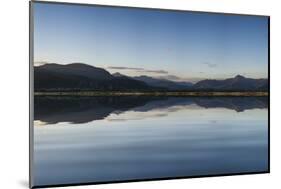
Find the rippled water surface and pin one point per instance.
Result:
(96, 139)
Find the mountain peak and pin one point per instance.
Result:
(117, 74)
(239, 77)
(49, 64)
(72, 65)
(80, 64)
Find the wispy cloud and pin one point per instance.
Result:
(210, 65)
(124, 68)
(155, 71)
(181, 79)
(138, 69)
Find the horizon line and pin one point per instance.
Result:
(143, 70)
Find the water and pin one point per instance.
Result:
(97, 139)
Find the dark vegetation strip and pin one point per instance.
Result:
(120, 93)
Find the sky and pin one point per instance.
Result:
(176, 45)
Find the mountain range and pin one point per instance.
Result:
(79, 76)
(238, 83)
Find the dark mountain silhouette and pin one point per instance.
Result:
(78, 76)
(171, 85)
(238, 83)
(76, 69)
(156, 82)
(117, 74)
(83, 77)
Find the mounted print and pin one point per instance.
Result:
(121, 94)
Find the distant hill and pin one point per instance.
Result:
(238, 83)
(77, 76)
(171, 85)
(83, 77)
(117, 74)
(76, 69)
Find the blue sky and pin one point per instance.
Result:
(158, 43)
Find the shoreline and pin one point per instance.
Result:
(175, 94)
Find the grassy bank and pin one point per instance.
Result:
(119, 93)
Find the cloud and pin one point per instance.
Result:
(154, 71)
(138, 69)
(181, 79)
(124, 68)
(210, 65)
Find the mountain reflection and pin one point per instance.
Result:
(53, 110)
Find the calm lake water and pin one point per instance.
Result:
(95, 139)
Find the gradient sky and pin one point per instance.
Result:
(152, 42)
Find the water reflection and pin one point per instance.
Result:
(53, 110)
(124, 138)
